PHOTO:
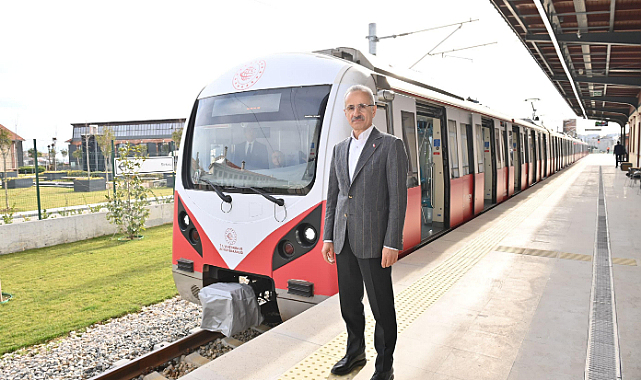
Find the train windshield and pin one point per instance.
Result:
(265, 139)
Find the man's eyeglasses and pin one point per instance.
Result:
(361, 107)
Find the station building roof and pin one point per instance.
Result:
(589, 49)
(12, 135)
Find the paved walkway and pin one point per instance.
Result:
(505, 296)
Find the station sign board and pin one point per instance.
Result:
(601, 123)
(163, 164)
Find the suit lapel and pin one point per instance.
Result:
(343, 163)
(369, 149)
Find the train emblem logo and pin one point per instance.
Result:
(248, 75)
(230, 236)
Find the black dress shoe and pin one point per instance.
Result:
(348, 363)
(387, 375)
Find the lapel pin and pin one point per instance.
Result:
(374, 145)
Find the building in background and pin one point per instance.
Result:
(156, 135)
(14, 159)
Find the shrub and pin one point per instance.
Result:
(128, 200)
(30, 169)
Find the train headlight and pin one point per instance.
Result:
(309, 233)
(183, 221)
(306, 235)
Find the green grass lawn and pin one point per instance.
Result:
(53, 197)
(70, 286)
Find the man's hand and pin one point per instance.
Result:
(328, 252)
(390, 256)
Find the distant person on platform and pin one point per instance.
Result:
(253, 153)
(619, 153)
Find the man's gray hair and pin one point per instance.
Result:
(360, 88)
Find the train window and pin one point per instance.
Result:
(409, 137)
(271, 147)
(530, 147)
(479, 148)
(453, 148)
(465, 164)
(521, 137)
(510, 149)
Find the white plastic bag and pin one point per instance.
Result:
(229, 307)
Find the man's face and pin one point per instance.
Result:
(359, 119)
(249, 135)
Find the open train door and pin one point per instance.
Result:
(430, 159)
(403, 110)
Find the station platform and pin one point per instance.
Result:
(519, 292)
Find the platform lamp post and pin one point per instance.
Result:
(53, 150)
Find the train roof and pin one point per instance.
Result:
(325, 67)
(406, 81)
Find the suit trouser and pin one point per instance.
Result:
(352, 272)
(619, 158)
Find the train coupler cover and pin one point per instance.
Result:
(229, 308)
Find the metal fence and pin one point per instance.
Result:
(55, 184)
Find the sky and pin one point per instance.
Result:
(69, 62)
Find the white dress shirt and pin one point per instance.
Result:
(355, 148)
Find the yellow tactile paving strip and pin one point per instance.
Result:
(415, 299)
(560, 255)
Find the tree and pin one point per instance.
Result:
(5, 149)
(127, 204)
(64, 153)
(176, 136)
(104, 142)
(30, 151)
(77, 154)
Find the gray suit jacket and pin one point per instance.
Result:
(372, 207)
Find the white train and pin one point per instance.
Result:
(253, 170)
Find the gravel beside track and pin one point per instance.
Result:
(82, 355)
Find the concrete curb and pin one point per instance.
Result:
(17, 237)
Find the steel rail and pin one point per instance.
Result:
(158, 357)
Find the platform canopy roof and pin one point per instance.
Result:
(590, 50)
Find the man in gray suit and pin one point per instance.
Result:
(363, 233)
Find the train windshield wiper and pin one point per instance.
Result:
(278, 201)
(223, 196)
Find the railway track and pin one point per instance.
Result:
(156, 358)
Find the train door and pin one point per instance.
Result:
(467, 169)
(516, 146)
(430, 164)
(403, 110)
(489, 169)
(523, 158)
(545, 155)
(479, 176)
(539, 156)
(501, 170)
(533, 162)
(509, 160)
